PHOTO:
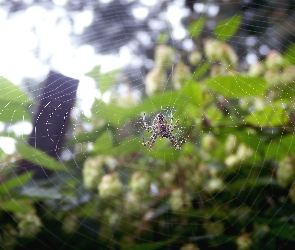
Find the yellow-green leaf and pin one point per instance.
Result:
(196, 27)
(38, 157)
(237, 85)
(228, 27)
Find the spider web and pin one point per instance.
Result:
(231, 184)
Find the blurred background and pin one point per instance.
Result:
(232, 184)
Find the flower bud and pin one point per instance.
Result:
(211, 48)
(92, 171)
(229, 58)
(209, 142)
(244, 242)
(231, 143)
(181, 75)
(274, 60)
(164, 56)
(140, 182)
(221, 52)
(9, 237)
(286, 171)
(111, 217)
(155, 81)
(259, 103)
(70, 224)
(110, 186)
(179, 201)
(215, 185)
(195, 57)
(244, 151)
(288, 75)
(29, 226)
(273, 77)
(132, 204)
(189, 246)
(256, 69)
(167, 178)
(232, 161)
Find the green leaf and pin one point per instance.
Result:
(201, 70)
(130, 145)
(22, 206)
(11, 111)
(15, 182)
(196, 27)
(159, 102)
(194, 93)
(237, 86)
(167, 154)
(228, 27)
(108, 112)
(280, 148)
(104, 143)
(283, 230)
(270, 116)
(87, 136)
(105, 80)
(117, 115)
(40, 193)
(38, 157)
(12, 93)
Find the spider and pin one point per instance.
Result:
(161, 128)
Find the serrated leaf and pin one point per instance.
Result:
(14, 182)
(11, 92)
(228, 27)
(196, 27)
(38, 157)
(268, 116)
(22, 206)
(237, 86)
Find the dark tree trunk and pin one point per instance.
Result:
(51, 119)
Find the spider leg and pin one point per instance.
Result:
(152, 141)
(145, 125)
(172, 127)
(177, 144)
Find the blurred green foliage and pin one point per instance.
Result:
(231, 186)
